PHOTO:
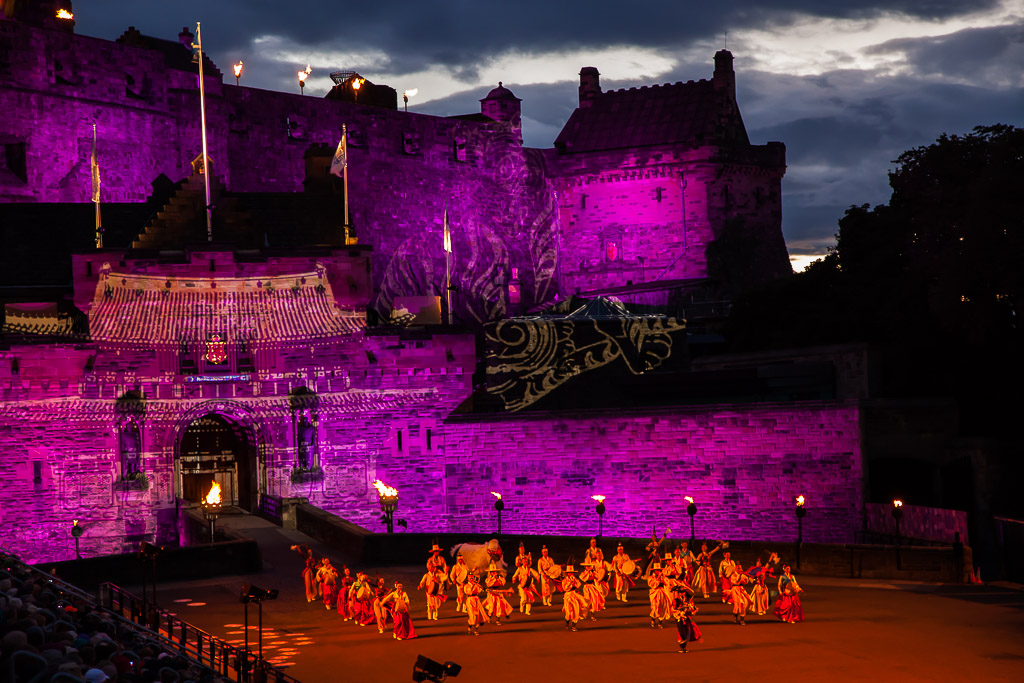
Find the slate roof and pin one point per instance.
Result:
(689, 114)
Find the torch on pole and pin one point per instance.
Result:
(800, 512)
(691, 509)
(897, 515)
(499, 505)
(212, 508)
(600, 513)
(387, 497)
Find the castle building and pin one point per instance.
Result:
(174, 362)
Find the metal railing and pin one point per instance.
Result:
(241, 664)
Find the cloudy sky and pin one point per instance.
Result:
(847, 84)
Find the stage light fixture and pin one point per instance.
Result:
(251, 593)
(426, 669)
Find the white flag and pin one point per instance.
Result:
(447, 235)
(340, 160)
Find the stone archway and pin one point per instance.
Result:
(220, 441)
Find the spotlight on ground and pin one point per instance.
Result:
(426, 669)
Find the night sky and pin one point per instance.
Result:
(848, 85)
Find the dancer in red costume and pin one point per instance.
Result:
(497, 604)
(459, 575)
(683, 610)
(788, 607)
(526, 582)
(685, 559)
(398, 601)
(474, 607)
(327, 577)
(433, 584)
(345, 582)
(574, 606)
(361, 599)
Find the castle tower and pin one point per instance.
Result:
(590, 85)
(502, 105)
(724, 78)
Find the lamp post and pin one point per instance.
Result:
(251, 593)
(76, 533)
(407, 94)
(800, 512)
(388, 499)
(897, 514)
(238, 70)
(691, 509)
(499, 505)
(302, 79)
(212, 507)
(600, 514)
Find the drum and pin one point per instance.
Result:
(600, 572)
(555, 572)
(628, 567)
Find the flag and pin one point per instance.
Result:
(340, 160)
(94, 167)
(447, 235)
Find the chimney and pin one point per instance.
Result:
(590, 85)
(724, 78)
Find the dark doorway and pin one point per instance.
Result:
(217, 449)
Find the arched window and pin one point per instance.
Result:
(305, 427)
(130, 411)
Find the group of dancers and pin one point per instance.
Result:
(673, 582)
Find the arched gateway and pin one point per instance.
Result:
(220, 441)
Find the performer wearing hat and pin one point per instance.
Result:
(592, 592)
(683, 610)
(660, 606)
(474, 607)
(574, 607)
(523, 558)
(788, 607)
(496, 604)
(459, 575)
(526, 581)
(345, 582)
(398, 600)
(433, 583)
(545, 566)
(704, 580)
(669, 569)
(593, 554)
(622, 580)
(437, 560)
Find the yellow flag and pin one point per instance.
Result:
(340, 160)
(94, 167)
(447, 235)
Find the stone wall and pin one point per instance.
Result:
(743, 465)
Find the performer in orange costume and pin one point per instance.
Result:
(574, 607)
(496, 604)
(433, 583)
(592, 592)
(660, 606)
(474, 607)
(459, 575)
(622, 581)
(545, 565)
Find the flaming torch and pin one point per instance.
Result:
(691, 509)
(600, 513)
(407, 94)
(387, 496)
(212, 507)
(238, 70)
(64, 14)
(302, 79)
(800, 512)
(897, 515)
(499, 505)
(357, 83)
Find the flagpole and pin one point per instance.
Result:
(344, 141)
(206, 159)
(447, 263)
(94, 171)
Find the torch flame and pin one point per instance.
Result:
(385, 491)
(303, 74)
(213, 497)
(357, 83)
(238, 68)
(800, 501)
(412, 93)
(897, 503)
(496, 495)
(74, 522)
(688, 499)
(64, 14)
(598, 498)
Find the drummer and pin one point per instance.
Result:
(594, 554)
(459, 575)
(549, 573)
(624, 569)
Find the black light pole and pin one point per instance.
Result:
(691, 510)
(148, 552)
(499, 505)
(800, 512)
(600, 514)
(897, 514)
(251, 593)
(76, 533)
